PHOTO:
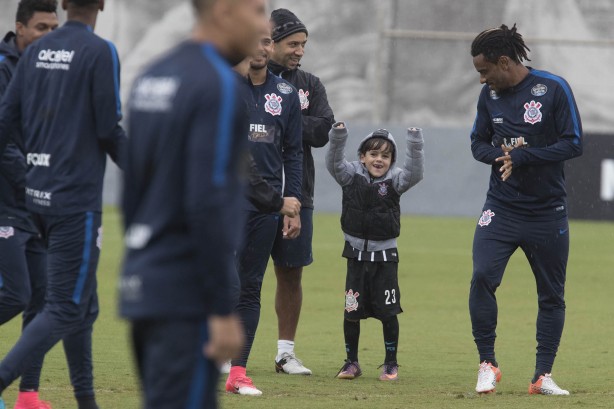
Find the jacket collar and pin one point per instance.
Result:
(278, 69)
(8, 47)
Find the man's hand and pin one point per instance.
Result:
(226, 338)
(292, 207)
(506, 168)
(519, 144)
(340, 125)
(292, 227)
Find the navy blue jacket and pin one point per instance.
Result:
(275, 134)
(65, 98)
(183, 188)
(541, 109)
(12, 163)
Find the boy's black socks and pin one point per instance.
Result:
(391, 338)
(351, 332)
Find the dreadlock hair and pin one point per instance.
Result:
(496, 42)
(27, 8)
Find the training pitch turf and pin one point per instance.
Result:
(436, 352)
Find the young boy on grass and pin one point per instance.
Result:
(370, 219)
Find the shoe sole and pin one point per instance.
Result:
(280, 369)
(347, 377)
(236, 392)
(491, 392)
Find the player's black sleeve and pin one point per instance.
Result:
(262, 195)
(10, 111)
(319, 118)
(108, 104)
(5, 78)
(293, 150)
(214, 191)
(568, 127)
(481, 135)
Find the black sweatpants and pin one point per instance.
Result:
(546, 246)
(174, 372)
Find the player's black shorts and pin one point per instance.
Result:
(372, 289)
(296, 252)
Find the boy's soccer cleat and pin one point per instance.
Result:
(488, 377)
(349, 370)
(545, 385)
(291, 365)
(390, 372)
(242, 385)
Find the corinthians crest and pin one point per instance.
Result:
(304, 98)
(532, 114)
(486, 218)
(273, 104)
(351, 300)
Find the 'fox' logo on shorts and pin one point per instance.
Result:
(351, 300)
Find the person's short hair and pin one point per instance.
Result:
(377, 143)
(27, 8)
(84, 3)
(497, 42)
(201, 5)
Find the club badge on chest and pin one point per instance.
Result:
(273, 104)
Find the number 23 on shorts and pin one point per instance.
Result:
(391, 296)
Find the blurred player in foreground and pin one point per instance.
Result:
(66, 146)
(276, 146)
(371, 223)
(22, 252)
(290, 38)
(182, 207)
(527, 126)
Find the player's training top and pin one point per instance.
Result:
(260, 194)
(542, 110)
(371, 212)
(13, 211)
(183, 193)
(65, 95)
(317, 119)
(275, 134)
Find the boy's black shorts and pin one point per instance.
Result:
(372, 290)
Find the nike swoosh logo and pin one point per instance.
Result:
(563, 231)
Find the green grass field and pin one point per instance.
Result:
(436, 351)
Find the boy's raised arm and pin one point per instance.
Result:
(337, 166)
(413, 169)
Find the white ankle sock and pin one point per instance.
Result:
(284, 346)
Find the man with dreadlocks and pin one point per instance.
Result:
(527, 125)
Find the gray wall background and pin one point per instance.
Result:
(374, 81)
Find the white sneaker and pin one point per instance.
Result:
(545, 385)
(225, 368)
(290, 364)
(488, 377)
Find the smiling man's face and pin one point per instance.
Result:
(289, 51)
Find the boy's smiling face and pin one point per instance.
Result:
(378, 161)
